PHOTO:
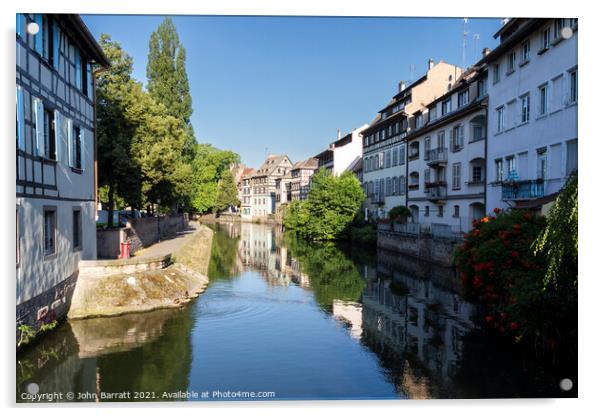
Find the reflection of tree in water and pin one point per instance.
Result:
(332, 274)
(160, 365)
(136, 352)
(224, 250)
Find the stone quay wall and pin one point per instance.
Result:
(424, 247)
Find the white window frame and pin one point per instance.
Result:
(543, 99)
(525, 108)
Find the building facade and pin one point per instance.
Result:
(301, 174)
(342, 153)
(532, 141)
(384, 141)
(446, 156)
(263, 185)
(56, 161)
(244, 193)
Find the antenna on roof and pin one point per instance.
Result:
(476, 38)
(464, 34)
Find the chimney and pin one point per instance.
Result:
(486, 52)
(338, 134)
(431, 63)
(402, 86)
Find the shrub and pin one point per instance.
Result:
(499, 271)
(400, 213)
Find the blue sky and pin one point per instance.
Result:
(286, 84)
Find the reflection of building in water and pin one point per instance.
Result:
(415, 318)
(261, 248)
(350, 313)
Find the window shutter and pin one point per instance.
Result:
(55, 44)
(89, 80)
(69, 136)
(461, 140)
(39, 37)
(20, 25)
(20, 120)
(64, 139)
(57, 136)
(39, 120)
(78, 69)
(82, 147)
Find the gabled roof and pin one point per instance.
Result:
(75, 26)
(271, 164)
(310, 163)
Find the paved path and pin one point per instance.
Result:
(167, 246)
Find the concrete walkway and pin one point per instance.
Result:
(168, 246)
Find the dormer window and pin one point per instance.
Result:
(446, 107)
(463, 98)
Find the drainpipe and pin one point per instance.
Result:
(486, 105)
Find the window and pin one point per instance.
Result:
(556, 93)
(499, 170)
(49, 231)
(402, 185)
(477, 172)
(511, 168)
(525, 108)
(446, 107)
(419, 121)
(559, 24)
(427, 147)
(49, 135)
(500, 119)
(545, 39)
(427, 211)
(543, 99)
(441, 139)
(76, 148)
(542, 163)
(510, 63)
(395, 161)
(525, 51)
(571, 156)
(456, 211)
(20, 119)
(478, 132)
(394, 186)
(432, 113)
(388, 159)
(462, 98)
(47, 39)
(457, 138)
(573, 86)
(481, 87)
(402, 155)
(456, 175)
(440, 210)
(496, 73)
(77, 229)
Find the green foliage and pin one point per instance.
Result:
(227, 192)
(558, 242)
(499, 271)
(27, 333)
(224, 251)
(330, 208)
(400, 213)
(168, 80)
(209, 166)
(366, 234)
(333, 276)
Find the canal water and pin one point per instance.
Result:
(283, 319)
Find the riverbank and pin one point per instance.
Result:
(179, 275)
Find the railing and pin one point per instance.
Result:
(426, 229)
(522, 190)
(437, 192)
(438, 155)
(407, 228)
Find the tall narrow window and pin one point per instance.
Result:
(500, 119)
(511, 168)
(545, 39)
(20, 119)
(499, 170)
(511, 62)
(77, 229)
(38, 108)
(542, 163)
(456, 175)
(49, 135)
(76, 148)
(49, 231)
(573, 86)
(446, 107)
(525, 108)
(543, 99)
(525, 51)
(496, 73)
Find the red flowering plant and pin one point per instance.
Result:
(500, 273)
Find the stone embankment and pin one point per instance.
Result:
(150, 281)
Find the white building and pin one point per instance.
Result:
(263, 185)
(301, 178)
(532, 141)
(342, 154)
(56, 161)
(384, 146)
(244, 193)
(446, 159)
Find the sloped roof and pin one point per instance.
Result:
(310, 163)
(271, 164)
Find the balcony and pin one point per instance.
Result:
(522, 190)
(437, 156)
(437, 192)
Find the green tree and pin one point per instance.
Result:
(559, 240)
(330, 208)
(209, 166)
(227, 192)
(168, 79)
(118, 169)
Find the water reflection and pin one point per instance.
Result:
(309, 321)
